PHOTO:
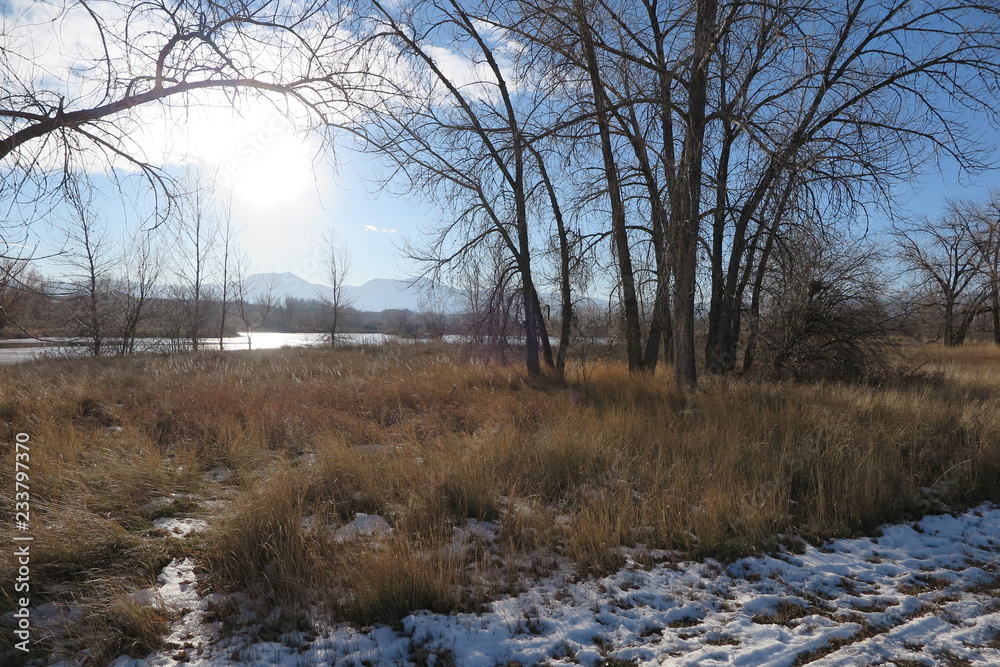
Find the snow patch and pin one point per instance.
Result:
(363, 525)
(192, 636)
(927, 591)
(179, 527)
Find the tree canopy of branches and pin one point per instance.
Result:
(465, 138)
(954, 261)
(691, 127)
(61, 118)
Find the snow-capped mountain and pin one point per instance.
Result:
(375, 295)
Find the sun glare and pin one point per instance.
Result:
(280, 173)
(259, 158)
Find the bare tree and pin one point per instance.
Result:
(944, 257)
(138, 287)
(465, 144)
(619, 231)
(434, 307)
(334, 299)
(227, 248)
(88, 257)
(490, 319)
(253, 303)
(197, 236)
(987, 241)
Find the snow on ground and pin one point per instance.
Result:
(178, 593)
(363, 525)
(179, 527)
(926, 593)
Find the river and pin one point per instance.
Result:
(14, 351)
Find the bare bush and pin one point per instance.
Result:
(824, 315)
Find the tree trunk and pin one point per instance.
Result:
(949, 324)
(758, 285)
(995, 306)
(685, 255)
(619, 232)
(543, 333)
(532, 314)
(716, 361)
(670, 168)
(565, 288)
(659, 321)
(530, 329)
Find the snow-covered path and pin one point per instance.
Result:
(926, 593)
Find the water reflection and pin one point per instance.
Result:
(15, 351)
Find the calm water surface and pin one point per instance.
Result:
(15, 351)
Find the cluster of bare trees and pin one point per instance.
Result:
(679, 149)
(955, 263)
(209, 267)
(23, 296)
(677, 154)
(63, 121)
(187, 281)
(110, 287)
(182, 279)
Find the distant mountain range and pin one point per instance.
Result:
(375, 295)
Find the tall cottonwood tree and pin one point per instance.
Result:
(619, 231)
(465, 143)
(607, 126)
(764, 106)
(943, 255)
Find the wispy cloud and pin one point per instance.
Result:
(373, 228)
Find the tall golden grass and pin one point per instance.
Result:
(428, 441)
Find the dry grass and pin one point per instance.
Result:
(429, 441)
(120, 625)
